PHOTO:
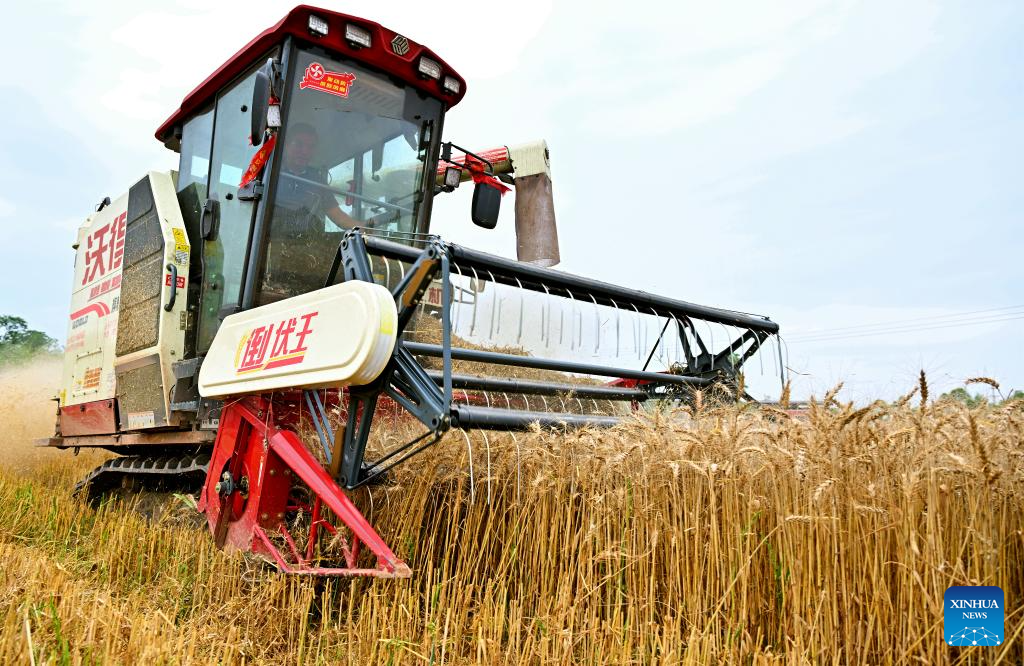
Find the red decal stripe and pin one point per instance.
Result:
(284, 361)
(100, 309)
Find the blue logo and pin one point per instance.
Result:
(973, 615)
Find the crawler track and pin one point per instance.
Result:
(184, 471)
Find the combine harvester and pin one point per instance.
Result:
(285, 276)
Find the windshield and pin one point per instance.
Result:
(352, 153)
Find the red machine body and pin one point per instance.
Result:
(248, 497)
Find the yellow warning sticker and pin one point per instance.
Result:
(181, 247)
(180, 240)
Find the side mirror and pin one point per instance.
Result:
(264, 87)
(486, 204)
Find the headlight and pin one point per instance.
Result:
(429, 68)
(452, 85)
(452, 177)
(317, 26)
(357, 36)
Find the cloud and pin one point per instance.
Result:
(68, 224)
(760, 156)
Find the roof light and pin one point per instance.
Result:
(317, 26)
(429, 68)
(452, 85)
(357, 36)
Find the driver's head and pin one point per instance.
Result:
(300, 146)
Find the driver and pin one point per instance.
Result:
(301, 247)
(298, 153)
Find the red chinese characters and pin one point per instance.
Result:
(101, 288)
(104, 251)
(256, 348)
(334, 83)
(285, 341)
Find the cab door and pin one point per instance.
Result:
(226, 243)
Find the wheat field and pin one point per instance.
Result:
(712, 535)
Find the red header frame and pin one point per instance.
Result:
(296, 24)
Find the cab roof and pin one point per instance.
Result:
(389, 51)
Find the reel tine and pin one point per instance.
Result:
(472, 479)
(547, 306)
(496, 310)
(572, 325)
(522, 307)
(476, 302)
(561, 326)
(639, 349)
(519, 466)
(760, 358)
(458, 301)
(487, 446)
(643, 319)
(580, 327)
(728, 341)
(597, 323)
(543, 322)
(658, 343)
(781, 365)
(678, 346)
(775, 365)
(711, 336)
(618, 314)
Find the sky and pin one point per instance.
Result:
(851, 169)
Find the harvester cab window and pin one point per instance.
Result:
(196, 141)
(224, 254)
(351, 154)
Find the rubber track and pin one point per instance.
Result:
(150, 467)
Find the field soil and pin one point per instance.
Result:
(705, 535)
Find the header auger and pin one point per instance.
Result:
(261, 317)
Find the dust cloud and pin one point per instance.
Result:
(27, 411)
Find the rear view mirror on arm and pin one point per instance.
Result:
(265, 86)
(486, 205)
